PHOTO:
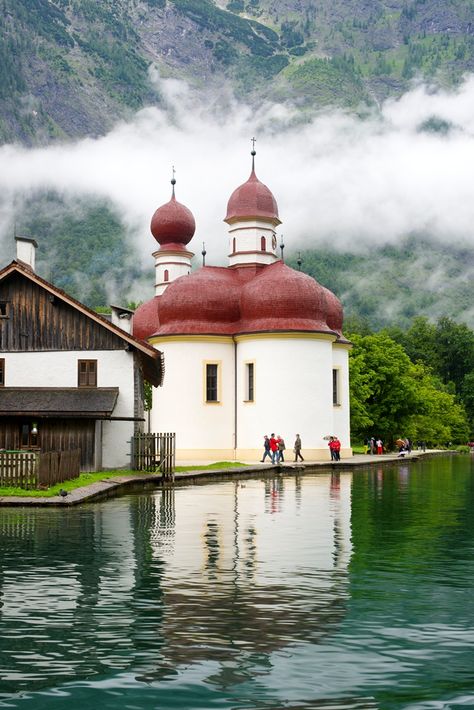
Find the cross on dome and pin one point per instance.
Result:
(252, 199)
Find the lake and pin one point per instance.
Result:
(328, 590)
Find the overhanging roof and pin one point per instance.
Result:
(84, 402)
(151, 360)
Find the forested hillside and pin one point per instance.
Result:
(74, 68)
(70, 68)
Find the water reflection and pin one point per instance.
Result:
(310, 591)
(179, 577)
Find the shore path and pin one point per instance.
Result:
(110, 487)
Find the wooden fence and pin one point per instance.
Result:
(18, 469)
(27, 469)
(154, 452)
(58, 466)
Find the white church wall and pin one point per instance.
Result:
(341, 426)
(203, 430)
(293, 394)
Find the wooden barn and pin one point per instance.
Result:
(69, 378)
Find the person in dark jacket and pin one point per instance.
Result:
(266, 449)
(297, 448)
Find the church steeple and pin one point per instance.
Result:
(252, 216)
(173, 227)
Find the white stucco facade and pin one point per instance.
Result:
(115, 368)
(292, 393)
(170, 265)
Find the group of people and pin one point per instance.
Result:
(374, 446)
(274, 447)
(404, 446)
(335, 448)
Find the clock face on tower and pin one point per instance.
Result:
(274, 242)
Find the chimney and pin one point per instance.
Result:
(122, 318)
(25, 251)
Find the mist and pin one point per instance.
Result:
(353, 181)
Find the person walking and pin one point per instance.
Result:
(379, 444)
(337, 449)
(281, 447)
(266, 449)
(297, 448)
(332, 448)
(274, 448)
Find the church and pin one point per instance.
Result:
(250, 348)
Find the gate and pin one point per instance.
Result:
(154, 452)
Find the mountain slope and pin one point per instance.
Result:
(71, 68)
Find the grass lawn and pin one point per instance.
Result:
(85, 479)
(211, 466)
(359, 449)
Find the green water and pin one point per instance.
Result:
(321, 591)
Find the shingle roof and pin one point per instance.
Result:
(91, 402)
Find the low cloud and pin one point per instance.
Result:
(338, 178)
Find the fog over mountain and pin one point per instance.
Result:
(340, 179)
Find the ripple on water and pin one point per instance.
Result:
(301, 592)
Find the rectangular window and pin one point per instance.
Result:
(212, 382)
(29, 436)
(3, 309)
(2, 372)
(87, 373)
(335, 387)
(249, 381)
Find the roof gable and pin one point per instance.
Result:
(150, 358)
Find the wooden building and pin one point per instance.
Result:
(69, 378)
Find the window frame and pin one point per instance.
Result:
(29, 441)
(336, 387)
(91, 369)
(249, 381)
(206, 377)
(4, 309)
(2, 372)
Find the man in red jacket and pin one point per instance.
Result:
(274, 448)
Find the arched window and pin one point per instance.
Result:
(263, 244)
(166, 275)
(233, 246)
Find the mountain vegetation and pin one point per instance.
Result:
(70, 68)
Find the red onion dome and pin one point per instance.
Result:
(173, 224)
(280, 298)
(335, 314)
(146, 319)
(204, 302)
(252, 199)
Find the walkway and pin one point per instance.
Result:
(111, 486)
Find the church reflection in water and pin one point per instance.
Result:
(224, 574)
(252, 569)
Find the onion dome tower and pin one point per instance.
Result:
(252, 216)
(173, 227)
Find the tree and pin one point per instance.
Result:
(455, 348)
(392, 397)
(439, 417)
(420, 343)
(467, 394)
(389, 396)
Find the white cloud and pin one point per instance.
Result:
(337, 177)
